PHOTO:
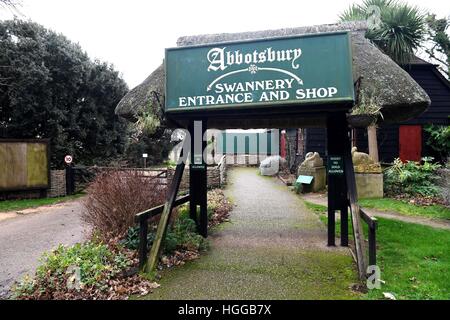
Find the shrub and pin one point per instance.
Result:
(182, 234)
(412, 178)
(439, 139)
(115, 197)
(96, 264)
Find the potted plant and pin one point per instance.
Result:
(366, 112)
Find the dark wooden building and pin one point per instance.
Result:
(406, 140)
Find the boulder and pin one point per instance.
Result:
(271, 165)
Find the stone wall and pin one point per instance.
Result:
(369, 185)
(57, 184)
(245, 160)
(216, 176)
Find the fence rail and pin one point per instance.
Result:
(372, 224)
(142, 218)
(358, 214)
(78, 177)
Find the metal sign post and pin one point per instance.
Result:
(145, 156)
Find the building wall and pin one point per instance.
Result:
(438, 89)
(248, 142)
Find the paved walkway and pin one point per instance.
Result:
(274, 248)
(24, 238)
(321, 199)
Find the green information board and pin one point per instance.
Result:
(335, 166)
(310, 69)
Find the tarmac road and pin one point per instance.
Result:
(24, 238)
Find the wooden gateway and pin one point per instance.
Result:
(288, 78)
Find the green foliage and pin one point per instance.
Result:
(368, 105)
(131, 240)
(403, 207)
(148, 123)
(437, 34)
(49, 88)
(156, 145)
(439, 139)
(96, 263)
(414, 261)
(181, 235)
(401, 29)
(412, 178)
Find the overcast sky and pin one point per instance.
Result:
(133, 34)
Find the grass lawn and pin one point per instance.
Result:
(414, 259)
(15, 205)
(387, 204)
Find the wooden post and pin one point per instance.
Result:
(373, 143)
(372, 245)
(193, 190)
(198, 177)
(143, 230)
(337, 134)
(70, 180)
(344, 225)
(155, 251)
(203, 187)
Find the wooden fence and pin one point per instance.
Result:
(24, 165)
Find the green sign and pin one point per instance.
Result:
(304, 179)
(335, 166)
(198, 166)
(310, 69)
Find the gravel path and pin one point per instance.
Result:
(274, 248)
(321, 199)
(24, 238)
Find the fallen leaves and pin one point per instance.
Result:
(220, 206)
(178, 258)
(423, 201)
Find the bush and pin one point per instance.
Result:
(96, 264)
(115, 197)
(182, 234)
(412, 178)
(439, 140)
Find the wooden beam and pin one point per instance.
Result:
(358, 233)
(142, 253)
(372, 141)
(147, 214)
(155, 251)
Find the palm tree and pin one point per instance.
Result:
(401, 29)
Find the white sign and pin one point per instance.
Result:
(144, 155)
(68, 159)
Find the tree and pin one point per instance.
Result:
(157, 145)
(439, 42)
(51, 89)
(399, 31)
(10, 3)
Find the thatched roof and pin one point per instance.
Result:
(399, 95)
